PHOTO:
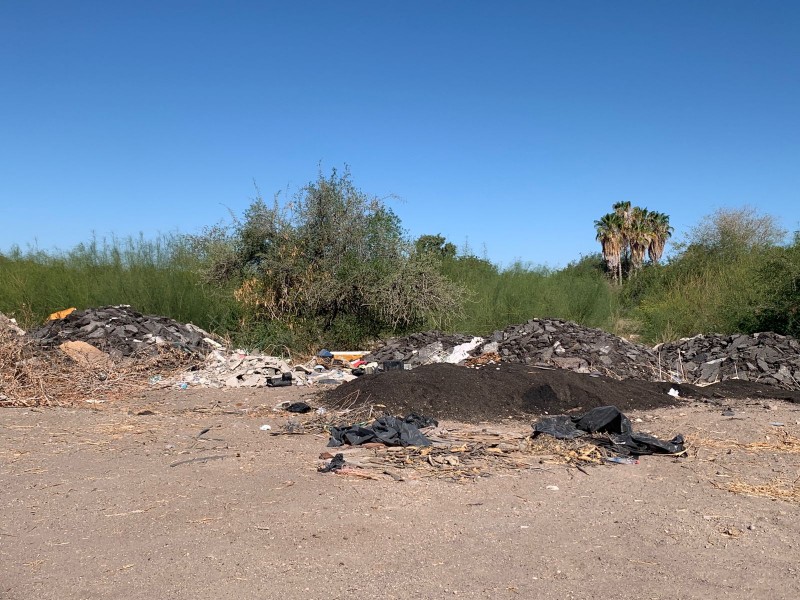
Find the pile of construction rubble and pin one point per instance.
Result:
(538, 342)
(766, 358)
(567, 345)
(762, 357)
(120, 331)
(242, 369)
(10, 327)
(425, 348)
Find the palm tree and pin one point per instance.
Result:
(624, 212)
(639, 234)
(662, 231)
(609, 233)
(628, 234)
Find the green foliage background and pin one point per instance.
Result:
(329, 282)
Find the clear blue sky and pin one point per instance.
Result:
(512, 125)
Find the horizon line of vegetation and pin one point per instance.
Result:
(333, 267)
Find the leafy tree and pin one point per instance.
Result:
(332, 264)
(436, 245)
(734, 230)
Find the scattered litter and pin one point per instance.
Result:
(674, 393)
(265, 427)
(777, 424)
(619, 435)
(552, 488)
(621, 460)
(392, 431)
(201, 459)
(335, 464)
(299, 407)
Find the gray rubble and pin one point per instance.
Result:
(567, 345)
(766, 357)
(241, 369)
(419, 348)
(122, 331)
(8, 325)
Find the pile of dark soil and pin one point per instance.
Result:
(444, 391)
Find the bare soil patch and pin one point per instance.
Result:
(128, 499)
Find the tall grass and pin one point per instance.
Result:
(153, 276)
(500, 297)
(699, 291)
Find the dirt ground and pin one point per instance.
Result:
(107, 501)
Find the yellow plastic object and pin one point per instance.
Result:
(61, 314)
(348, 356)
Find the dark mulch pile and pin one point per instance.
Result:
(446, 391)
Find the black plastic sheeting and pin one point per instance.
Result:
(392, 431)
(619, 435)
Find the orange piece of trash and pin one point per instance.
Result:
(61, 314)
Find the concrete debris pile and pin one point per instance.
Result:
(121, 331)
(243, 370)
(567, 345)
(762, 357)
(236, 370)
(425, 348)
(9, 326)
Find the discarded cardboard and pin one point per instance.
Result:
(86, 354)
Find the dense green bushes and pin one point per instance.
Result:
(732, 274)
(333, 268)
(330, 267)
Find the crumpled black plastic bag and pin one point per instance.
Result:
(620, 437)
(391, 431)
(421, 421)
(336, 464)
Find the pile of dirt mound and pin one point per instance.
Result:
(444, 391)
(567, 345)
(762, 357)
(121, 331)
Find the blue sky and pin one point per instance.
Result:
(508, 125)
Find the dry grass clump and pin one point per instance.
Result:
(775, 490)
(784, 442)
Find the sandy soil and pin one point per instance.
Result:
(100, 502)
